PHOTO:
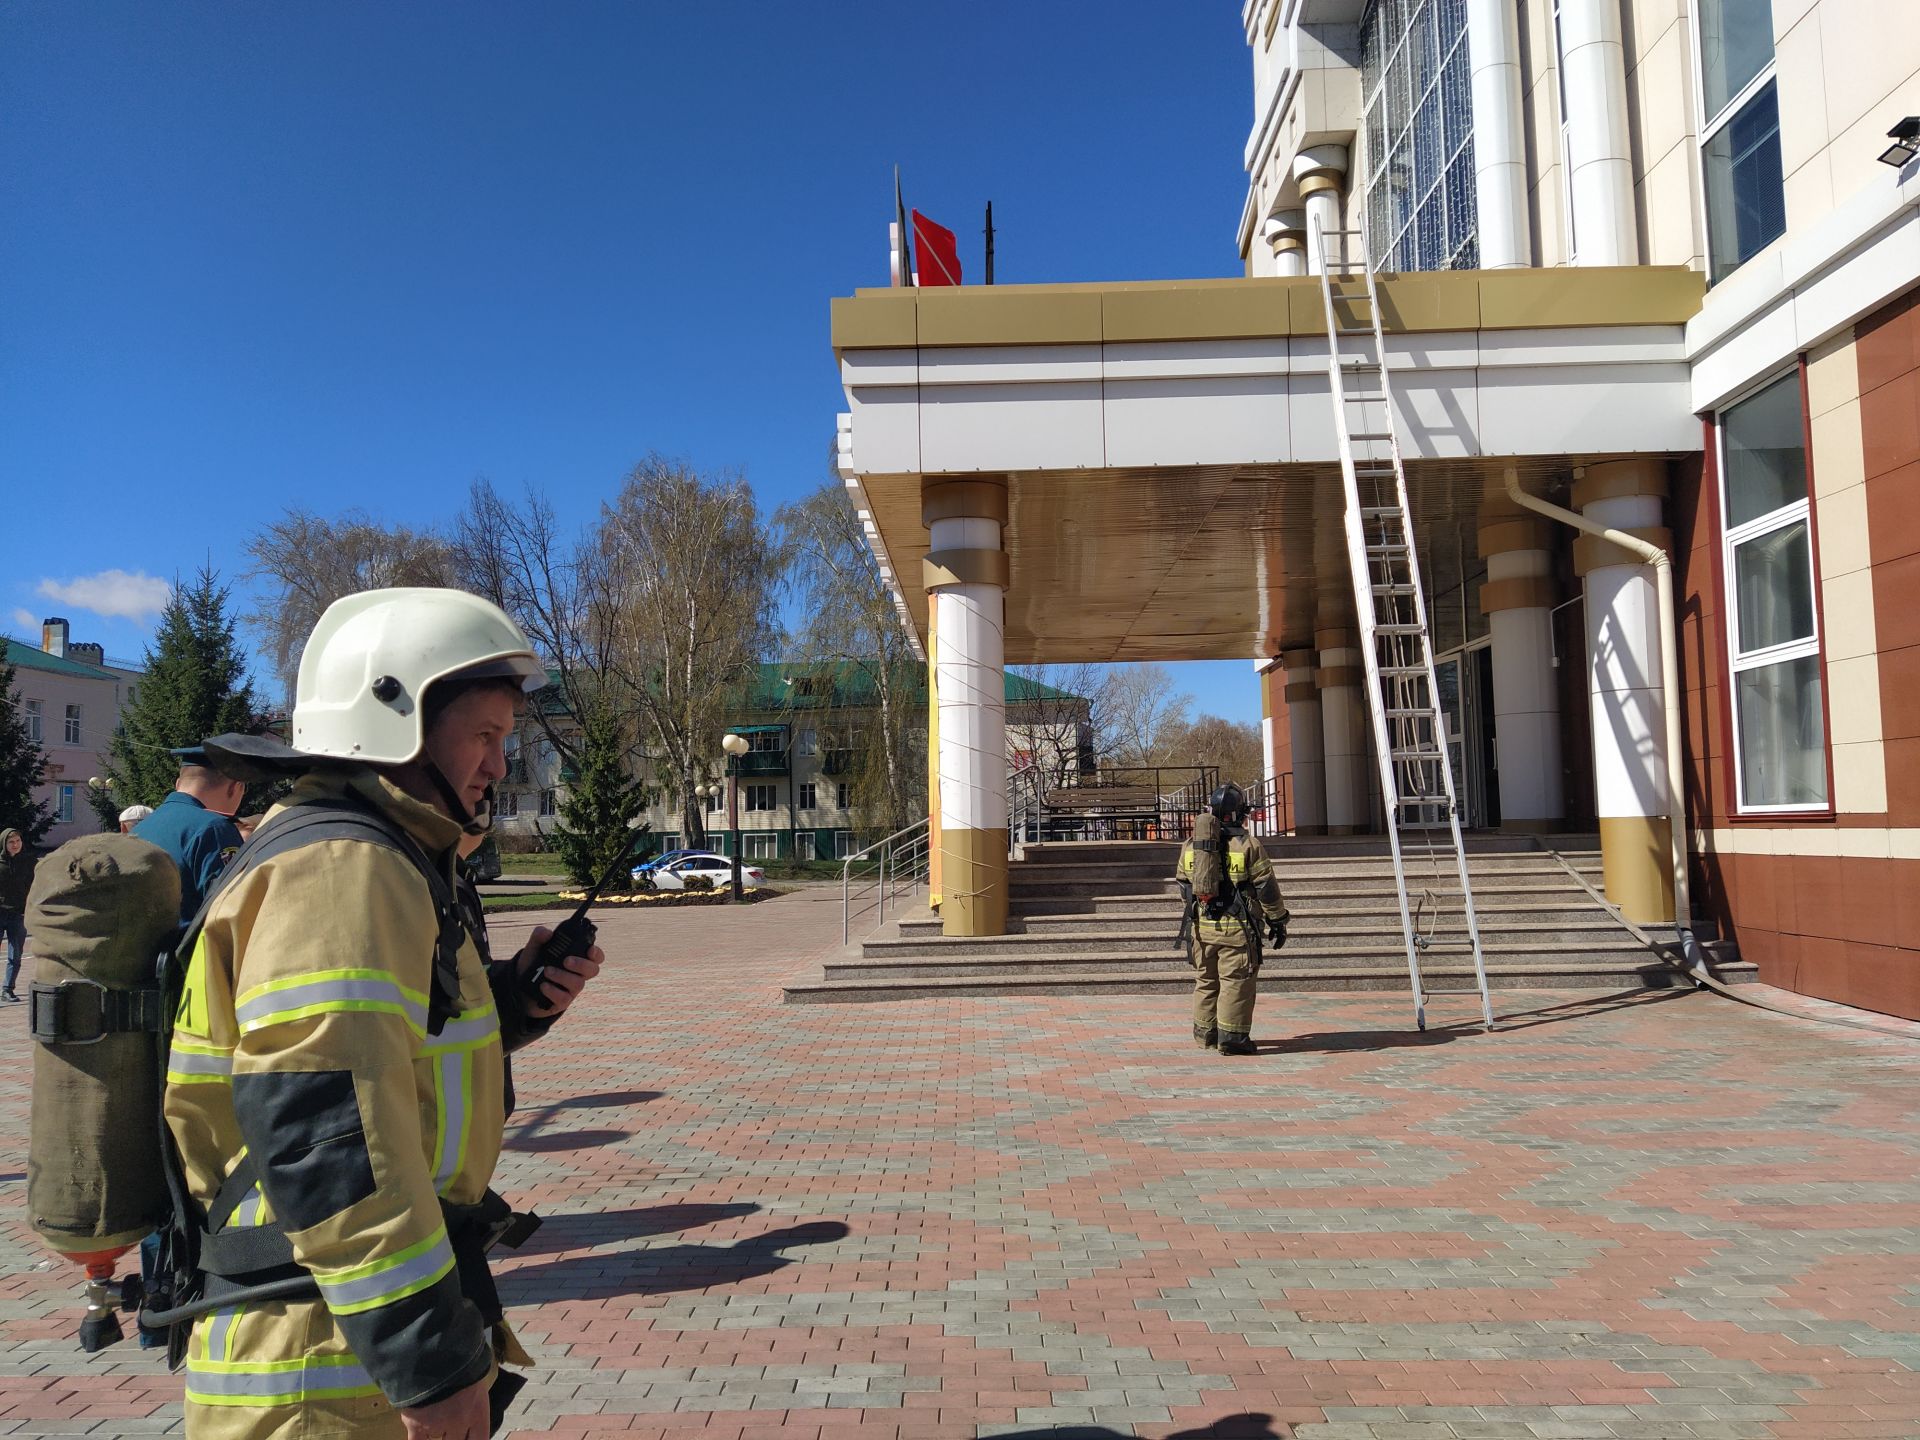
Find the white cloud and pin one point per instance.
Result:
(28, 622)
(136, 596)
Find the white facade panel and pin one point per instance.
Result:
(1011, 427)
(1214, 421)
(1586, 409)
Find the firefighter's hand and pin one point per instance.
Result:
(463, 1415)
(1277, 932)
(563, 982)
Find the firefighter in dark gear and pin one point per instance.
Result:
(329, 1077)
(1233, 903)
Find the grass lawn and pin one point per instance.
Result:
(539, 862)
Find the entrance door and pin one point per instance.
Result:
(1466, 710)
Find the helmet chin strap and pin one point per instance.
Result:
(478, 820)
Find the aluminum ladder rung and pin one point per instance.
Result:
(1385, 567)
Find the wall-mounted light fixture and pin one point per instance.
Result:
(1906, 143)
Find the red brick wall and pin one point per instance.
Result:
(1843, 928)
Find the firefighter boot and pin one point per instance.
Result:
(1236, 1042)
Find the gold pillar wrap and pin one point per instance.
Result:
(1615, 479)
(974, 872)
(1315, 181)
(1636, 856)
(1520, 592)
(981, 497)
(1288, 240)
(933, 765)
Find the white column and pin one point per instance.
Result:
(1600, 180)
(1320, 171)
(1499, 134)
(1341, 680)
(1518, 599)
(1623, 670)
(1286, 232)
(1309, 744)
(966, 574)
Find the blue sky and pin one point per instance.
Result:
(355, 254)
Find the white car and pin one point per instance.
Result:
(717, 869)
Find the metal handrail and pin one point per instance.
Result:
(901, 866)
(1270, 804)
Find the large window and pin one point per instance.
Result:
(763, 847)
(1773, 641)
(809, 795)
(71, 734)
(35, 721)
(1418, 95)
(760, 797)
(1739, 132)
(63, 805)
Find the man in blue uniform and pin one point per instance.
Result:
(195, 826)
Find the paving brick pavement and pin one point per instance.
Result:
(1659, 1215)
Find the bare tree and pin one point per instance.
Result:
(1232, 748)
(308, 561)
(853, 633)
(1059, 723)
(680, 585)
(516, 556)
(1144, 711)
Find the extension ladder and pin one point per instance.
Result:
(1409, 738)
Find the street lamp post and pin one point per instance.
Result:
(735, 746)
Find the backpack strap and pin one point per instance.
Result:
(261, 1254)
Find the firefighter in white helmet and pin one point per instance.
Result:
(336, 1071)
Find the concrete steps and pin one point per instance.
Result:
(1101, 917)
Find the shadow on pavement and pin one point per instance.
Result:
(664, 1270)
(532, 1136)
(1229, 1427)
(532, 1139)
(1410, 1039)
(559, 1233)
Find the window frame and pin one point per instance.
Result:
(1726, 580)
(805, 843)
(70, 724)
(753, 842)
(549, 803)
(63, 805)
(35, 712)
(1706, 129)
(843, 795)
(809, 797)
(765, 791)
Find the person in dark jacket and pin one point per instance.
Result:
(16, 878)
(195, 826)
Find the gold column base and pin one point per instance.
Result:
(973, 873)
(1636, 856)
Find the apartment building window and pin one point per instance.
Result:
(1739, 132)
(1417, 91)
(34, 722)
(1773, 642)
(764, 742)
(506, 803)
(549, 804)
(807, 743)
(760, 797)
(809, 795)
(842, 844)
(63, 805)
(764, 846)
(843, 797)
(71, 731)
(803, 845)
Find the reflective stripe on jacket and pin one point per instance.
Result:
(302, 1031)
(1248, 869)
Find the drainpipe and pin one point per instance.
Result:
(1694, 958)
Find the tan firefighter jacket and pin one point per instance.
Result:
(302, 1032)
(1249, 871)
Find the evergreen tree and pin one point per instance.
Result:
(601, 798)
(22, 765)
(195, 685)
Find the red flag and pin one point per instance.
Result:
(936, 252)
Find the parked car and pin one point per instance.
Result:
(716, 869)
(646, 867)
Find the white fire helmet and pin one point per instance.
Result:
(372, 656)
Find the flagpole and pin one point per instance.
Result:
(989, 242)
(906, 236)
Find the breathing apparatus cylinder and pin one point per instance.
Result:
(101, 911)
